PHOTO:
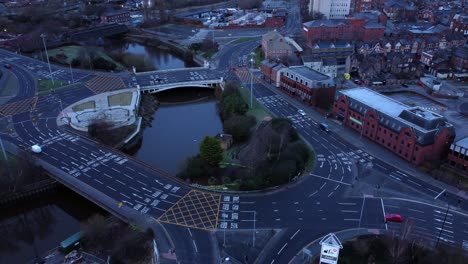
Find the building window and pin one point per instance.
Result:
(416, 149)
(408, 145)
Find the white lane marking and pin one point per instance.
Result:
(444, 230)
(347, 203)
(142, 183)
(128, 176)
(273, 261)
(312, 194)
(279, 252)
(415, 183)
(383, 212)
(142, 174)
(432, 190)
(349, 211)
(317, 176)
(440, 220)
(348, 219)
(120, 182)
(294, 234)
(414, 210)
(107, 175)
(419, 219)
(439, 194)
(189, 231)
(111, 188)
(134, 189)
(321, 187)
(98, 181)
(195, 245)
(330, 194)
(115, 170)
(130, 168)
(124, 195)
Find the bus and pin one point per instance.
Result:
(71, 243)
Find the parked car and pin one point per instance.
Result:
(393, 218)
(300, 111)
(358, 82)
(404, 85)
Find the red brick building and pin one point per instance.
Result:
(458, 155)
(351, 28)
(416, 135)
(271, 71)
(309, 86)
(366, 5)
(118, 16)
(275, 47)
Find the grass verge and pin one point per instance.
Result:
(241, 40)
(257, 109)
(47, 84)
(84, 106)
(120, 99)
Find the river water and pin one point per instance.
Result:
(184, 117)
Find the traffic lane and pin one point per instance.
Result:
(183, 243)
(26, 83)
(203, 242)
(430, 221)
(372, 213)
(121, 186)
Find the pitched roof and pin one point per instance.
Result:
(326, 23)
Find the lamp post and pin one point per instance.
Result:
(254, 220)
(71, 72)
(43, 36)
(251, 82)
(445, 218)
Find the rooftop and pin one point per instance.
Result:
(462, 143)
(326, 23)
(309, 73)
(415, 117)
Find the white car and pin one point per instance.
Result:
(300, 111)
(36, 149)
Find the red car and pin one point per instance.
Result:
(393, 218)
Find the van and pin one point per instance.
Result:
(324, 127)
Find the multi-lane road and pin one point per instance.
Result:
(306, 210)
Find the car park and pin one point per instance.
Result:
(393, 218)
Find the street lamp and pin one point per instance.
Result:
(43, 36)
(71, 71)
(251, 81)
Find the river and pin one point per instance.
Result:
(179, 124)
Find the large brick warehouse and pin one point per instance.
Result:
(416, 135)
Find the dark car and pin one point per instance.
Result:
(8, 66)
(404, 85)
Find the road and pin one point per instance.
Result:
(307, 208)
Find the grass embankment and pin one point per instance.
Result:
(84, 106)
(241, 40)
(120, 99)
(257, 109)
(47, 84)
(67, 54)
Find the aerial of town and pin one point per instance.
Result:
(234, 131)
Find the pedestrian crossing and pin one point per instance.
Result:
(101, 84)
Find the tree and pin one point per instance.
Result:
(248, 4)
(211, 151)
(239, 126)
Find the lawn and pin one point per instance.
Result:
(257, 109)
(84, 106)
(47, 85)
(259, 57)
(120, 99)
(11, 84)
(241, 40)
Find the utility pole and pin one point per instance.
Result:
(251, 82)
(43, 36)
(71, 71)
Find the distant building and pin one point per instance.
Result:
(116, 16)
(458, 155)
(307, 85)
(351, 28)
(460, 58)
(322, 51)
(331, 9)
(275, 47)
(415, 134)
(367, 5)
(459, 24)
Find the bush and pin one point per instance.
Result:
(239, 127)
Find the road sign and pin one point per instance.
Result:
(329, 254)
(330, 250)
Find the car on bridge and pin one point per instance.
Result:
(393, 218)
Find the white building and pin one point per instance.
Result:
(331, 9)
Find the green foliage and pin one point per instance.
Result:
(231, 102)
(239, 127)
(211, 151)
